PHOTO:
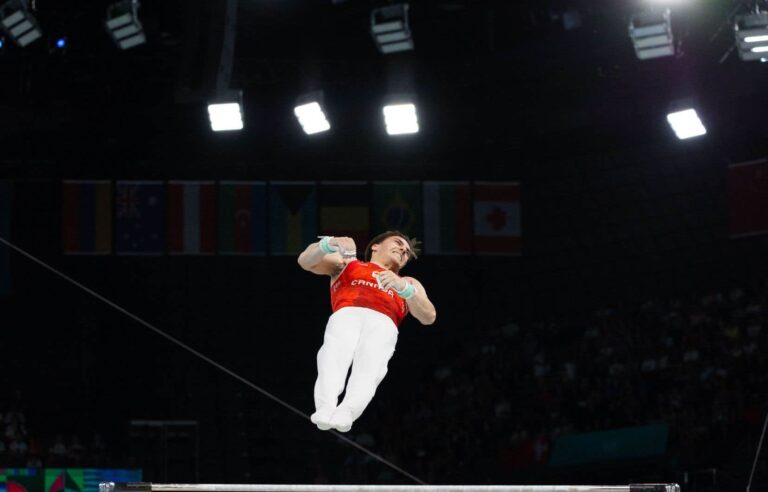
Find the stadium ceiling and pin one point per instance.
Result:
(500, 74)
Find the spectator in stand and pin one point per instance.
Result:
(97, 451)
(75, 452)
(57, 453)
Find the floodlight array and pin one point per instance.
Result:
(751, 33)
(651, 34)
(390, 28)
(123, 24)
(18, 22)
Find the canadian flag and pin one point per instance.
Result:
(497, 218)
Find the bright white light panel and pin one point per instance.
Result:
(312, 118)
(401, 119)
(225, 116)
(686, 124)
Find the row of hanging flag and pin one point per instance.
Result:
(282, 218)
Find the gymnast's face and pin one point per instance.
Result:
(394, 251)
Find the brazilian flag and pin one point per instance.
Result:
(397, 207)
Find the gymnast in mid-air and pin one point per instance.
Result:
(369, 301)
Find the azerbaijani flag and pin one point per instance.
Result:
(447, 217)
(345, 210)
(497, 218)
(292, 216)
(242, 217)
(86, 219)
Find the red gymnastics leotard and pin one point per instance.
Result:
(357, 286)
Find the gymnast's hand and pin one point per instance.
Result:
(389, 280)
(345, 245)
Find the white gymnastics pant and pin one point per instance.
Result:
(364, 338)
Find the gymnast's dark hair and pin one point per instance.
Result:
(412, 243)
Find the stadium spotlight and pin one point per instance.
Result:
(226, 112)
(123, 24)
(400, 118)
(751, 32)
(686, 124)
(309, 112)
(651, 34)
(390, 29)
(18, 22)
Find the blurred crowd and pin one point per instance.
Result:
(20, 448)
(500, 401)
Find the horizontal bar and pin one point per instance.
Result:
(217, 487)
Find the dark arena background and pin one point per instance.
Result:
(601, 285)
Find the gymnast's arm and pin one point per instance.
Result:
(314, 260)
(419, 305)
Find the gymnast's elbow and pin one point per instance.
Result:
(427, 319)
(305, 262)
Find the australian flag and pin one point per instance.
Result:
(139, 217)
